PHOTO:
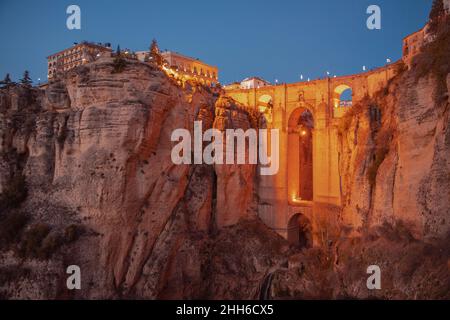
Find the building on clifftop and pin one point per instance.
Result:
(78, 54)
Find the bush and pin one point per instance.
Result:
(49, 245)
(31, 244)
(119, 64)
(72, 233)
(11, 226)
(41, 242)
(14, 193)
(10, 274)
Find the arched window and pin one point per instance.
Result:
(343, 96)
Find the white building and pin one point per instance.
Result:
(142, 55)
(254, 82)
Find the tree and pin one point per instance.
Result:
(26, 80)
(5, 83)
(156, 54)
(119, 62)
(154, 47)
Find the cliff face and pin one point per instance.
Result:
(395, 148)
(95, 153)
(86, 178)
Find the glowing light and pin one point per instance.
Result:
(364, 68)
(296, 199)
(301, 77)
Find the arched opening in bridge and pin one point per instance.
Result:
(299, 231)
(265, 103)
(300, 156)
(343, 96)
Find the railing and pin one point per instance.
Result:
(344, 104)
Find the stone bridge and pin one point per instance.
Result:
(305, 195)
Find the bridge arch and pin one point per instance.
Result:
(300, 231)
(265, 101)
(342, 96)
(300, 156)
(265, 107)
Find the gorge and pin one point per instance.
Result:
(86, 179)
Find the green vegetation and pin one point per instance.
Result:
(119, 63)
(31, 244)
(10, 274)
(26, 80)
(14, 193)
(7, 82)
(155, 54)
(11, 226)
(72, 233)
(41, 242)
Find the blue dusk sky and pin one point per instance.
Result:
(271, 39)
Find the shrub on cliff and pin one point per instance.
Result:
(31, 244)
(40, 241)
(72, 233)
(14, 193)
(7, 82)
(11, 226)
(119, 64)
(26, 80)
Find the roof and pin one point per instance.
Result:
(84, 43)
(255, 78)
(186, 57)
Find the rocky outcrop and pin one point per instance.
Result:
(395, 164)
(96, 152)
(86, 178)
